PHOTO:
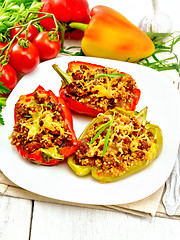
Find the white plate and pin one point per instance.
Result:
(59, 182)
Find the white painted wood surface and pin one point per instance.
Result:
(15, 218)
(27, 220)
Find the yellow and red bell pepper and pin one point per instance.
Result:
(110, 35)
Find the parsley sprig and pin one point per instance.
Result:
(3, 89)
(12, 11)
(100, 129)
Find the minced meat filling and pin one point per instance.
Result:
(128, 144)
(40, 124)
(104, 92)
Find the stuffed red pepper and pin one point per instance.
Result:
(91, 89)
(43, 131)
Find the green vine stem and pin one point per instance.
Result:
(58, 25)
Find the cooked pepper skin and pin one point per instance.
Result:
(65, 151)
(153, 152)
(77, 106)
(81, 108)
(110, 35)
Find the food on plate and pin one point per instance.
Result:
(110, 35)
(116, 144)
(43, 131)
(91, 89)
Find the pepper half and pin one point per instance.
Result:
(107, 88)
(135, 151)
(110, 35)
(43, 131)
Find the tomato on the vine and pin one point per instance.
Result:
(8, 76)
(24, 58)
(32, 32)
(2, 45)
(47, 44)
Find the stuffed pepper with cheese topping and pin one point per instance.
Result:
(92, 89)
(43, 131)
(115, 145)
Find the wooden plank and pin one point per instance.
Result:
(15, 218)
(55, 221)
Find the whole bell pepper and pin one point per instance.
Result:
(151, 151)
(28, 138)
(110, 35)
(66, 11)
(80, 107)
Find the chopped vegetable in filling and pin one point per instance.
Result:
(40, 124)
(126, 146)
(103, 92)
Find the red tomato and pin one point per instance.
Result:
(47, 48)
(24, 60)
(2, 45)
(8, 76)
(32, 32)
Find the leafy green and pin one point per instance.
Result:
(164, 57)
(2, 102)
(1, 118)
(12, 11)
(3, 89)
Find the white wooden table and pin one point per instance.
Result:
(33, 220)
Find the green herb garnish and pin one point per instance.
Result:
(109, 75)
(164, 58)
(40, 113)
(42, 105)
(99, 130)
(3, 89)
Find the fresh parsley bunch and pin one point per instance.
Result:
(11, 11)
(3, 89)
